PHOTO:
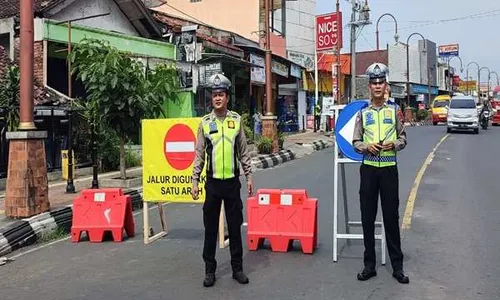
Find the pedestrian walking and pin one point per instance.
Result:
(379, 134)
(221, 137)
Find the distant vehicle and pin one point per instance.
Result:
(495, 104)
(439, 109)
(484, 119)
(463, 114)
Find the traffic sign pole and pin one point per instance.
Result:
(345, 116)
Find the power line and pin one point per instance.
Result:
(188, 15)
(475, 16)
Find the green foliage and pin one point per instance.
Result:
(9, 97)
(422, 115)
(108, 150)
(52, 235)
(114, 83)
(281, 140)
(265, 145)
(121, 91)
(162, 83)
(132, 159)
(247, 127)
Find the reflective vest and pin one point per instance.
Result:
(317, 110)
(220, 140)
(380, 126)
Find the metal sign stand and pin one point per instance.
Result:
(339, 161)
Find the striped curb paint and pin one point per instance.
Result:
(25, 232)
(271, 160)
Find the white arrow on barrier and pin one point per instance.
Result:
(347, 132)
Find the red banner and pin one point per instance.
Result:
(328, 31)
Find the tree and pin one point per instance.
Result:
(162, 84)
(119, 92)
(9, 96)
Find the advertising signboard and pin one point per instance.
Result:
(448, 50)
(328, 31)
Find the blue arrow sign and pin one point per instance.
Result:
(344, 128)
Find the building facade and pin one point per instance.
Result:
(289, 25)
(422, 69)
(126, 25)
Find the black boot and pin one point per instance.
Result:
(240, 277)
(209, 280)
(366, 274)
(400, 276)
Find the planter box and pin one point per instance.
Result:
(120, 183)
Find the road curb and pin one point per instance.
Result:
(321, 144)
(420, 123)
(271, 160)
(26, 232)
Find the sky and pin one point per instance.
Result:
(473, 24)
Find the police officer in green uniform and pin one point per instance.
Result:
(317, 117)
(222, 139)
(379, 135)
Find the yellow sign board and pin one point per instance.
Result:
(168, 152)
(470, 85)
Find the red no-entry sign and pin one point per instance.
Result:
(179, 146)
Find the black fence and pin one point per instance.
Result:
(54, 120)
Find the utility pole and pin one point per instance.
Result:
(364, 19)
(269, 120)
(353, 53)
(337, 65)
(27, 184)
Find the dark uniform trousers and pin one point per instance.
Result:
(383, 180)
(229, 191)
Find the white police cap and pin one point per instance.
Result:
(377, 72)
(219, 83)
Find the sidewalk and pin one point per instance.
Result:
(296, 146)
(57, 192)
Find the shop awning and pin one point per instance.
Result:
(219, 57)
(325, 63)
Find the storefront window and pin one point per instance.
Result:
(288, 113)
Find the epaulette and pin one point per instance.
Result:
(206, 118)
(234, 115)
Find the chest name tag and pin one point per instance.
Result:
(213, 127)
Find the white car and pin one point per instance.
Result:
(463, 114)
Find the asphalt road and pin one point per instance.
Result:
(451, 250)
(454, 240)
